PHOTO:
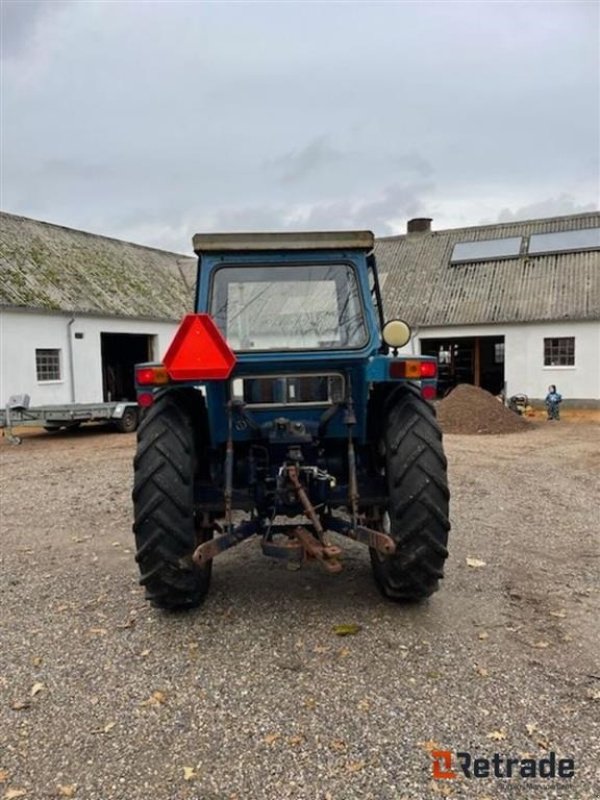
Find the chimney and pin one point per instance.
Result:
(418, 225)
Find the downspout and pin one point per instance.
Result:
(70, 354)
(413, 341)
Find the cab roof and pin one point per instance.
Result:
(320, 240)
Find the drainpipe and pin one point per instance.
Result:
(70, 353)
(413, 341)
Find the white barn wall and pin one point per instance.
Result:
(524, 355)
(22, 332)
(87, 360)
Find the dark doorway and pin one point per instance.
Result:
(478, 360)
(120, 353)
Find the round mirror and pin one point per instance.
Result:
(396, 333)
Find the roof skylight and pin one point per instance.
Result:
(486, 250)
(582, 239)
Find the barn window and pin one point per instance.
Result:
(47, 365)
(559, 352)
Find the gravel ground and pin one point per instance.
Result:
(254, 696)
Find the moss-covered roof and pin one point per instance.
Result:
(53, 268)
(423, 287)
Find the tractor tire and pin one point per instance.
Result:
(418, 510)
(165, 468)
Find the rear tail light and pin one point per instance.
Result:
(428, 392)
(413, 369)
(428, 369)
(151, 376)
(145, 399)
(405, 369)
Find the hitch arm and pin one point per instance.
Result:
(376, 539)
(209, 550)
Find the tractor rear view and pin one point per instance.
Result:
(283, 397)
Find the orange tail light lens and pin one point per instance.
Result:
(151, 376)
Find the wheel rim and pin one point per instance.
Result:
(129, 420)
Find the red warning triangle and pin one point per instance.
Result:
(199, 351)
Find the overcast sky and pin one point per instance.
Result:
(150, 121)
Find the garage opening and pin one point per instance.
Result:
(120, 353)
(478, 360)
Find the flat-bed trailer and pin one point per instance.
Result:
(124, 416)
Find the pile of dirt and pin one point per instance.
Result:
(468, 409)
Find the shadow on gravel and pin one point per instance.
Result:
(248, 590)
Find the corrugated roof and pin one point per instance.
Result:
(60, 269)
(54, 268)
(424, 289)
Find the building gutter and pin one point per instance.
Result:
(70, 354)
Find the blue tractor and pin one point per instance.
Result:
(283, 410)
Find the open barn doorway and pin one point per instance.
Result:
(120, 353)
(478, 360)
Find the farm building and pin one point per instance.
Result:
(511, 307)
(77, 311)
(514, 306)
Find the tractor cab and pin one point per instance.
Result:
(287, 383)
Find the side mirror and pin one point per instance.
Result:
(396, 333)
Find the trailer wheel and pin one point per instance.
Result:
(128, 422)
(165, 468)
(418, 510)
(62, 426)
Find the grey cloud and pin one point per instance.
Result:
(395, 202)
(297, 164)
(413, 162)
(153, 120)
(20, 21)
(551, 207)
(73, 170)
(248, 218)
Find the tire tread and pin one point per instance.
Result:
(418, 500)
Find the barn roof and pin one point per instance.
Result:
(53, 268)
(49, 267)
(424, 288)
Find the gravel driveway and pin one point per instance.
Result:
(254, 696)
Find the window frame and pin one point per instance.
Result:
(214, 290)
(43, 368)
(555, 352)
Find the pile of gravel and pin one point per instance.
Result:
(468, 409)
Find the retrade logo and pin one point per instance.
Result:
(442, 764)
(447, 765)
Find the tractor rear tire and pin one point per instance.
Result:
(418, 510)
(166, 535)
